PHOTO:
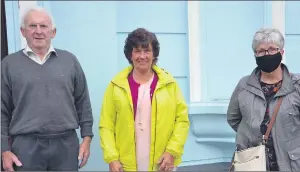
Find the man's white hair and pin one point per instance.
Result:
(36, 8)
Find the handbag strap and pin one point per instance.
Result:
(270, 125)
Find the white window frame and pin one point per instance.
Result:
(194, 50)
(278, 19)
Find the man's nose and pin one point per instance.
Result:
(38, 29)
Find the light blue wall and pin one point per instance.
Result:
(13, 27)
(292, 33)
(95, 32)
(227, 31)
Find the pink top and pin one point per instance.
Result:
(134, 87)
(142, 104)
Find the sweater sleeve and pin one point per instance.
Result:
(6, 107)
(82, 102)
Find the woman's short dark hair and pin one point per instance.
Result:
(141, 37)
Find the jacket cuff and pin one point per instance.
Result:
(173, 153)
(108, 161)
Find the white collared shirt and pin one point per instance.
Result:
(29, 53)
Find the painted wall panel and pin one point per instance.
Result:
(13, 25)
(157, 16)
(292, 13)
(226, 44)
(292, 50)
(292, 35)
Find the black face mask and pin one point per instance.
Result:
(268, 63)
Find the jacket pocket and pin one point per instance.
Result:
(291, 125)
(295, 159)
(291, 118)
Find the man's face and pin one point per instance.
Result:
(38, 30)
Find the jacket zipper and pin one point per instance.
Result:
(154, 163)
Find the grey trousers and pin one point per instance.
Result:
(55, 152)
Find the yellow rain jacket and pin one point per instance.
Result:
(169, 121)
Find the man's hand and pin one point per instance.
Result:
(115, 166)
(166, 162)
(8, 159)
(84, 151)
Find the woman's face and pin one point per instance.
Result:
(142, 58)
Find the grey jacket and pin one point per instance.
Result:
(247, 109)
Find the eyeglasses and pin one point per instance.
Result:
(271, 51)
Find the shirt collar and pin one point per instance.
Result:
(28, 50)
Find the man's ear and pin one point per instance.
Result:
(22, 31)
(53, 32)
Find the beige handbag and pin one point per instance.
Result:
(254, 158)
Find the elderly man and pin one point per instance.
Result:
(44, 98)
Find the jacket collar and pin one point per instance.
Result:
(121, 79)
(286, 87)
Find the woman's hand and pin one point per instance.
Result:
(166, 162)
(115, 166)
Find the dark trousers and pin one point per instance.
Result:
(55, 152)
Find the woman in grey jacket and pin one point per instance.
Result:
(255, 97)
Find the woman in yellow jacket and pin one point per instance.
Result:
(144, 118)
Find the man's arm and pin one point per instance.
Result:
(82, 102)
(6, 107)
